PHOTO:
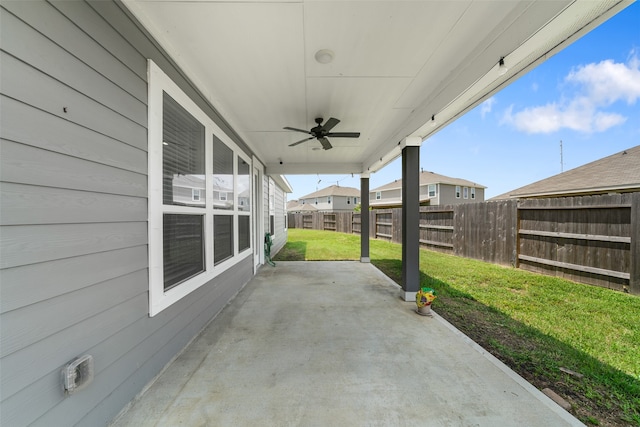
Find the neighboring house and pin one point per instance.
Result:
(294, 206)
(435, 190)
(114, 245)
(618, 173)
(330, 199)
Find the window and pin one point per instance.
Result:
(244, 232)
(432, 190)
(355, 200)
(182, 163)
(183, 250)
(457, 191)
(244, 185)
(348, 200)
(272, 207)
(199, 198)
(473, 192)
(316, 200)
(378, 195)
(465, 193)
(329, 199)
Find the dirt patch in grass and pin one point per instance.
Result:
(529, 357)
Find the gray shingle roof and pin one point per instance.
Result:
(427, 177)
(334, 190)
(618, 172)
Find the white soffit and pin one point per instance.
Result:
(395, 64)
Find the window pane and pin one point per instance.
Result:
(222, 175)
(244, 186)
(182, 156)
(243, 232)
(183, 247)
(222, 238)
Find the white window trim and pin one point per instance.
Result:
(458, 191)
(473, 193)
(378, 195)
(159, 299)
(272, 187)
(465, 193)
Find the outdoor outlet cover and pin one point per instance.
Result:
(78, 374)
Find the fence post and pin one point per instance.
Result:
(634, 277)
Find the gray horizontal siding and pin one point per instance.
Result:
(23, 286)
(23, 245)
(22, 204)
(35, 399)
(279, 220)
(50, 95)
(31, 126)
(45, 55)
(25, 164)
(32, 47)
(73, 212)
(90, 22)
(76, 307)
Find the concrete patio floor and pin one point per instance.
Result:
(332, 343)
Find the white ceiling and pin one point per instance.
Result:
(396, 64)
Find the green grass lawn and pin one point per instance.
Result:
(535, 324)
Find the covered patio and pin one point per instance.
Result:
(332, 343)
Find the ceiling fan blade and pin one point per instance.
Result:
(344, 134)
(331, 123)
(326, 145)
(301, 141)
(297, 130)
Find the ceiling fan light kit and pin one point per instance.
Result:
(321, 132)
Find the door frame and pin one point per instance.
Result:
(257, 176)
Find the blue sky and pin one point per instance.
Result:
(587, 96)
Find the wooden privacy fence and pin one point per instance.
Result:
(588, 239)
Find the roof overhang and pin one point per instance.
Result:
(395, 66)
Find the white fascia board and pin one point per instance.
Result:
(282, 182)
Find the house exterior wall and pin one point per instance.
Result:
(74, 241)
(280, 213)
(385, 195)
(338, 203)
(432, 201)
(445, 195)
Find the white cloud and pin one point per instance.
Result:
(487, 106)
(598, 86)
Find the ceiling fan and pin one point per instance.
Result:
(321, 132)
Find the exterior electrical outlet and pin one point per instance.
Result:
(78, 374)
